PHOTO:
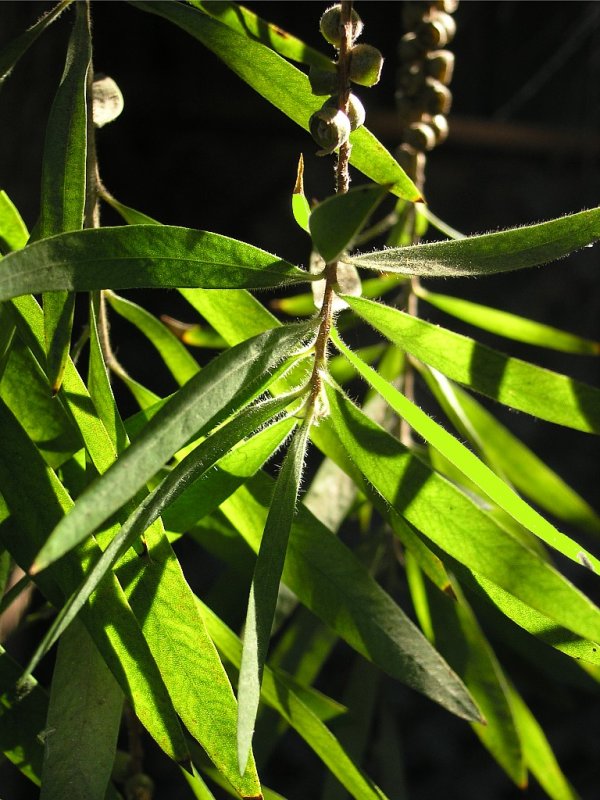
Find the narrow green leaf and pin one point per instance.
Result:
(22, 718)
(84, 716)
(194, 334)
(284, 86)
(538, 753)
(265, 586)
(300, 206)
(63, 193)
(226, 384)
(329, 580)
(460, 640)
(510, 457)
(510, 326)
(24, 389)
(336, 221)
(518, 384)
(180, 363)
(141, 256)
(482, 476)
(13, 231)
(490, 253)
(285, 699)
(12, 52)
(246, 22)
(37, 500)
(455, 524)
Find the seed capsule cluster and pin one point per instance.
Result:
(423, 99)
(330, 126)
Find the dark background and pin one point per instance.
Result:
(195, 147)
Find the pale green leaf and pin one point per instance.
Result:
(13, 231)
(508, 325)
(229, 382)
(336, 221)
(479, 473)
(265, 586)
(282, 85)
(490, 253)
(455, 524)
(84, 717)
(141, 256)
(518, 384)
(509, 456)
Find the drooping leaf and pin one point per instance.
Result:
(283, 85)
(178, 360)
(13, 231)
(509, 456)
(141, 256)
(249, 24)
(467, 462)
(446, 517)
(508, 325)
(518, 384)
(289, 704)
(12, 52)
(63, 193)
(265, 586)
(84, 717)
(337, 220)
(230, 381)
(329, 580)
(37, 500)
(490, 253)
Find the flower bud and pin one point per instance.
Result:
(410, 48)
(330, 128)
(440, 65)
(420, 136)
(366, 63)
(436, 97)
(322, 81)
(331, 25)
(439, 125)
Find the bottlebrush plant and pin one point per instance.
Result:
(462, 514)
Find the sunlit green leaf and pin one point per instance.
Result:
(282, 85)
(490, 253)
(141, 256)
(300, 206)
(246, 22)
(329, 580)
(509, 456)
(336, 221)
(12, 52)
(178, 360)
(518, 384)
(13, 231)
(468, 463)
(456, 525)
(265, 585)
(508, 325)
(226, 384)
(84, 717)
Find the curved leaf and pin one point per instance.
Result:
(265, 587)
(446, 517)
(508, 325)
(141, 256)
(490, 253)
(518, 384)
(468, 463)
(282, 85)
(329, 580)
(226, 384)
(337, 220)
(13, 231)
